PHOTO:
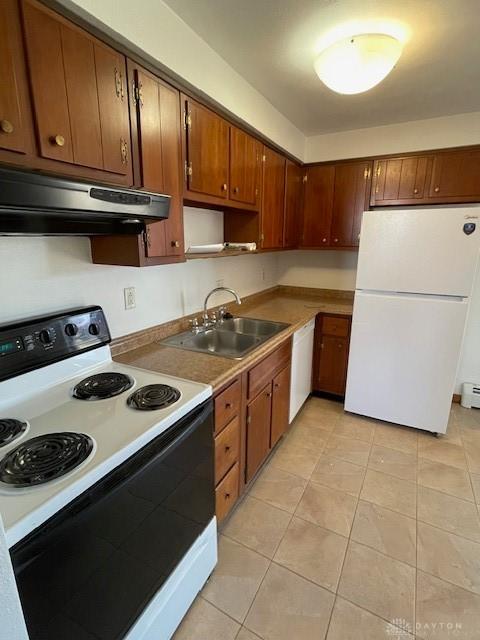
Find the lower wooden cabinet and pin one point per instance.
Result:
(259, 417)
(251, 415)
(280, 405)
(226, 492)
(332, 339)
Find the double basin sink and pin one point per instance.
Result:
(232, 338)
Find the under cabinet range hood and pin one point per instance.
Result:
(36, 204)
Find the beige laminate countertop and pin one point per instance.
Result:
(294, 309)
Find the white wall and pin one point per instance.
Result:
(40, 275)
(318, 269)
(202, 226)
(435, 133)
(151, 27)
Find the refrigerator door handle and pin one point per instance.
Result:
(409, 294)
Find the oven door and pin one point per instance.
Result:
(90, 571)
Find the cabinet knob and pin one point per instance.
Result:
(324, 239)
(228, 405)
(335, 239)
(175, 243)
(224, 186)
(340, 345)
(6, 126)
(227, 448)
(415, 191)
(58, 140)
(269, 395)
(236, 190)
(437, 189)
(227, 496)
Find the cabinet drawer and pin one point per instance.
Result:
(227, 446)
(332, 326)
(227, 405)
(263, 372)
(226, 493)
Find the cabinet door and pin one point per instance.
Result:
(273, 200)
(207, 151)
(331, 365)
(158, 116)
(113, 105)
(14, 116)
(280, 405)
(293, 203)
(400, 180)
(258, 431)
(245, 159)
(79, 93)
(351, 196)
(317, 206)
(43, 35)
(172, 170)
(456, 176)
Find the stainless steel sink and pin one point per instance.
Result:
(233, 338)
(252, 326)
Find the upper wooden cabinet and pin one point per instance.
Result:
(456, 176)
(350, 199)
(317, 206)
(79, 91)
(401, 180)
(440, 177)
(293, 204)
(335, 197)
(273, 199)
(245, 167)
(155, 122)
(206, 152)
(15, 123)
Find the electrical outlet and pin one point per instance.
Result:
(220, 282)
(129, 296)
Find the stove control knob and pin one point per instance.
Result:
(94, 329)
(71, 329)
(45, 336)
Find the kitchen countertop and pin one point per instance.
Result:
(281, 305)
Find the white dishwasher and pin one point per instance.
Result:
(302, 360)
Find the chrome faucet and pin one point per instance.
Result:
(206, 320)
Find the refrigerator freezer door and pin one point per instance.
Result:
(419, 251)
(404, 352)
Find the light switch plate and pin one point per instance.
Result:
(129, 296)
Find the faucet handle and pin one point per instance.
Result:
(221, 313)
(213, 317)
(194, 326)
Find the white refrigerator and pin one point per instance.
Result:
(415, 276)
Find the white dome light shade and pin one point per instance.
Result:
(358, 63)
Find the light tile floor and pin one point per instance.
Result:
(355, 530)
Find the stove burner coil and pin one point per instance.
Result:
(10, 430)
(102, 385)
(153, 396)
(44, 458)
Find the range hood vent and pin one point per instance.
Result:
(35, 204)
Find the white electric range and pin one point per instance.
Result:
(106, 483)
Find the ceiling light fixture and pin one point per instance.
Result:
(358, 63)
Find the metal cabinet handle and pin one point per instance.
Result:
(437, 189)
(236, 190)
(227, 496)
(227, 448)
(415, 191)
(58, 140)
(324, 239)
(6, 126)
(224, 186)
(335, 239)
(175, 243)
(124, 150)
(269, 395)
(228, 405)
